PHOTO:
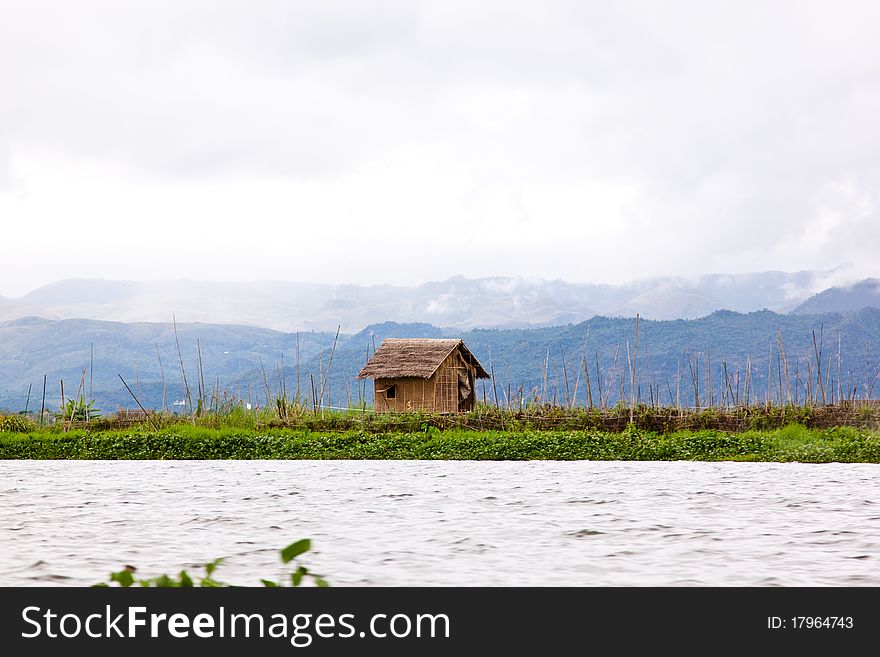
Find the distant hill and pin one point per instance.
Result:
(244, 362)
(457, 303)
(666, 302)
(541, 358)
(14, 309)
(237, 355)
(864, 294)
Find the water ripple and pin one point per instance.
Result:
(489, 523)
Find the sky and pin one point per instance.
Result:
(401, 142)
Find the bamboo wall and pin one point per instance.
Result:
(412, 394)
(438, 394)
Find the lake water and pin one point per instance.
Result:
(446, 523)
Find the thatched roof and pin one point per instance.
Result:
(414, 357)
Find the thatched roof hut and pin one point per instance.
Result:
(421, 374)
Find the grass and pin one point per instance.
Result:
(660, 419)
(760, 433)
(186, 441)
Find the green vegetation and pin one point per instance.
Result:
(16, 424)
(659, 419)
(839, 432)
(185, 441)
(126, 576)
(78, 410)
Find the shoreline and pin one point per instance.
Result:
(793, 443)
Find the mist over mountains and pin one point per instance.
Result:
(532, 333)
(456, 303)
(844, 298)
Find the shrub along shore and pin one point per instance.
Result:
(187, 441)
(843, 432)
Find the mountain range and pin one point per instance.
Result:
(687, 361)
(457, 303)
(845, 298)
(250, 340)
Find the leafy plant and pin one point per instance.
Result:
(79, 410)
(126, 577)
(429, 430)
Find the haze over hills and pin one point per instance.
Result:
(456, 303)
(13, 309)
(524, 328)
(844, 298)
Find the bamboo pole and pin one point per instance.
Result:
(43, 403)
(202, 387)
(785, 364)
(632, 373)
(586, 370)
(492, 376)
(810, 382)
(694, 374)
(710, 397)
(164, 386)
(266, 390)
(283, 379)
(187, 396)
(817, 350)
(138, 401)
(79, 394)
(298, 391)
(565, 378)
(778, 378)
(314, 393)
(587, 383)
(544, 374)
(828, 383)
(91, 375)
(329, 364)
(748, 382)
(678, 388)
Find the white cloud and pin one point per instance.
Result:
(404, 141)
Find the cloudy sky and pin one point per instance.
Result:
(408, 141)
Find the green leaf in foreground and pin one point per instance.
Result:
(293, 550)
(185, 579)
(297, 576)
(126, 578)
(212, 566)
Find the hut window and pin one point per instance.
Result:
(391, 392)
